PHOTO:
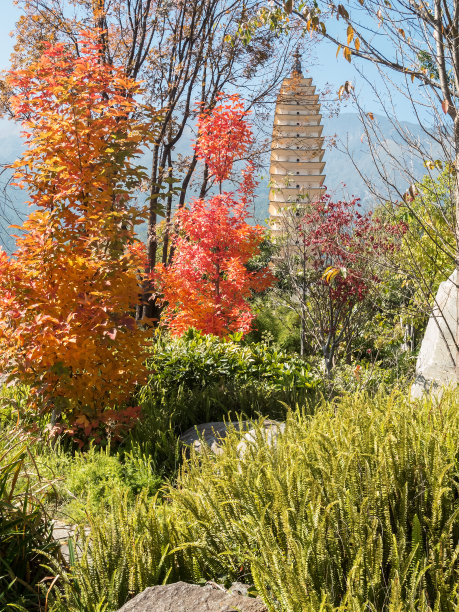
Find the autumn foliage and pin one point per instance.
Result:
(208, 284)
(332, 266)
(67, 294)
(342, 244)
(223, 136)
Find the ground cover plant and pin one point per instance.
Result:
(354, 508)
(26, 542)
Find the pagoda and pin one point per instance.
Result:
(297, 146)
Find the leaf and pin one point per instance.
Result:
(445, 106)
(347, 54)
(370, 116)
(330, 273)
(288, 6)
(350, 34)
(342, 12)
(357, 44)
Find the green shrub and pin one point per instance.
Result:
(370, 376)
(197, 379)
(197, 361)
(85, 481)
(26, 541)
(355, 508)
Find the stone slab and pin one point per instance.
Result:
(184, 597)
(436, 365)
(213, 434)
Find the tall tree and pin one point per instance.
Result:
(68, 294)
(207, 285)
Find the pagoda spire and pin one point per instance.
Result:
(296, 70)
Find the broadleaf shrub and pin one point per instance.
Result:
(199, 378)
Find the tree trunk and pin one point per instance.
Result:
(303, 334)
(149, 309)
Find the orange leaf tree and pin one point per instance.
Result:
(208, 284)
(67, 294)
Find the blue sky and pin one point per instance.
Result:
(323, 66)
(9, 15)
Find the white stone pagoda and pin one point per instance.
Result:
(296, 156)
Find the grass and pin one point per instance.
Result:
(354, 509)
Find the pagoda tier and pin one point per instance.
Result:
(297, 147)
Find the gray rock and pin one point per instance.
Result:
(212, 434)
(436, 365)
(183, 597)
(270, 432)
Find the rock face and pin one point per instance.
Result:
(437, 361)
(183, 597)
(212, 434)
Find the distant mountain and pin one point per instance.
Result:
(342, 178)
(340, 170)
(12, 200)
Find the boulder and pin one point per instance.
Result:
(184, 597)
(269, 433)
(436, 365)
(212, 434)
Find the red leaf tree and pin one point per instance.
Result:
(332, 261)
(208, 285)
(223, 136)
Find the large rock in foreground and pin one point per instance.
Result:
(436, 366)
(184, 597)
